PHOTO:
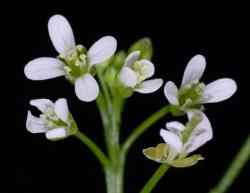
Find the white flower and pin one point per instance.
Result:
(135, 72)
(192, 92)
(182, 140)
(74, 62)
(55, 120)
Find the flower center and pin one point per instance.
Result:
(51, 119)
(140, 70)
(75, 62)
(189, 94)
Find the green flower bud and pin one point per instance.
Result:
(144, 46)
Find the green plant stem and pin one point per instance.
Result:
(110, 109)
(234, 169)
(115, 173)
(159, 173)
(94, 148)
(105, 91)
(143, 127)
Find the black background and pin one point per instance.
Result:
(219, 32)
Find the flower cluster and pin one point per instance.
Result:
(125, 73)
(181, 140)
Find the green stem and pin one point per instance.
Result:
(234, 169)
(110, 109)
(143, 127)
(94, 148)
(115, 173)
(159, 173)
(105, 91)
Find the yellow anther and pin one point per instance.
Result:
(67, 69)
(77, 63)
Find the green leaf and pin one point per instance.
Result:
(187, 162)
(145, 46)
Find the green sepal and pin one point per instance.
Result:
(187, 162)
(110, 76)
(150, 153)
(124, 91)
(176, 111)
(158, 153)
(161, 151)
(73, 126)
(118, 60)
(190, 126)
(145, 46)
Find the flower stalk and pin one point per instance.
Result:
(144, 126)
(94, 148)
(159, 173)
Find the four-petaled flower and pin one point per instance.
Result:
(181, 140)
(193, 93)
(55, 121)
(135, 71)
(74, 61)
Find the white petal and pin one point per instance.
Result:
(171, 92)
(131, 58)
(61, 109)
(42, 104)
(219, 90)
(101, 50)
(86, 88)
(43, 68)
(194, 70)
(175, 125)
(150, 86)
(150, 68)
(56, 133)
(60, 33)
(172, 140)
(200, 140)
(34, 124)
(128, 77)
(202, 133)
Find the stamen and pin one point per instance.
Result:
(67, 69)
(79, 48)
(187, 102)
(77, 63)
(199, 88)
(196, 81)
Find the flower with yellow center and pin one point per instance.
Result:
(74, 61)
(193, 93)
(55, 121)
(135, 72)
